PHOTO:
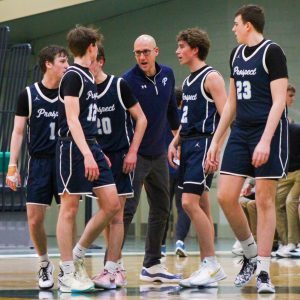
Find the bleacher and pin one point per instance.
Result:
(14, 71)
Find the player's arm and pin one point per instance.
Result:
(228, 114)
(174, 150)
(277, 68)
(72, 113)
(215, 85)
(12, 177)
(140, 126)
(262, 150)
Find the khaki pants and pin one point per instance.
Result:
(249, 208)
(287, 201)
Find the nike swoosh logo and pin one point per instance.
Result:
(214, 273)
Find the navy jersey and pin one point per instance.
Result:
(87, 103)
(199, 112)
(252, 82)
(115, 127)
(41, 122)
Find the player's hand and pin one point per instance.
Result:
(13, 177)
(212, 159)
(247, 190)
(173, 156)
(91, 168)
(261, 154)
(107, 160)
(129, 162)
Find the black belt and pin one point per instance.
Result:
(91, 141)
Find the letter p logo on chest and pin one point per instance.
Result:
(164, 81)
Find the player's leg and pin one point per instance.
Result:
(36, 216)
(113, 264)
(229, 190)
(109, 203)
(266, 216)
(39, 197)
(201, 223)
(205, 206)
(266, 223)
(67, 282)
(66, 224)
(205, 233)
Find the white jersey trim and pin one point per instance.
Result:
(207, 100)
(29, 101)
(249, 57)
(92, 79)
(124, 107)
(43, 96)
(190, 83)
(106, 88)
(80, 91)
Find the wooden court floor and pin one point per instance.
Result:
(18, 281)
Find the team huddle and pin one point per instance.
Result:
(94, 134)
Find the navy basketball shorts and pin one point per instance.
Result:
(192, 178)
(41, 181)
(239, 150)
(123, 181)
(71, 172)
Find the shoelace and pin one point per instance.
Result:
(263, 277)
(43, 273)
(104, 272)
(82, 270)
(243, 261)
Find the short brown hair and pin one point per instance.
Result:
(48, 53)
(80, 38)
(291, 88)
(196, 38)
(253, 14)
(101, 53)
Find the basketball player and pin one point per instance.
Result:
(38, 108)
(80, 161)
(257, 146)
(204, 96)
(116, 108)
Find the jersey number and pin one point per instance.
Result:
(104, 125)
(92, 113)
(243, 90)
(184, 114)
(52, 131)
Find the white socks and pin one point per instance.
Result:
(79, 252)
(111, 266)
(263, 264)
(44, 257)
(249, 246)
(67, 267)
